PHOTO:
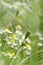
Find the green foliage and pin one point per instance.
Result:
(21, 32)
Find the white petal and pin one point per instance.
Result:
(40, 38)
(10, 56)
(39, 34)
(19, 32)
(28, 53)
(8, 42)
(28, 40)
(40, 44)
(0, 44)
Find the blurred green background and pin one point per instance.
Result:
(28, 14)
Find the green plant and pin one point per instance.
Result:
(21, 32)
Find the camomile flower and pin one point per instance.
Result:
(6, 29)
(28, 40)
(13, 54)
(3, 53)
(19, 32)
(0, 44)
(28, 53)
(8, 42)
(41, 38)
(9, 55)
(28, 46)
(13, 41)
(13, 35)
(40, 44)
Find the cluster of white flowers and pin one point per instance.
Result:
(10, 42)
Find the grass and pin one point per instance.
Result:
(21, 32)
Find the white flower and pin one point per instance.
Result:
(19, 33)
(15, 44)
(28, 40)
(3, 31)
(20, 42)
(40, 38)
(3, 53)
(39, 34)
(24, 47)
(8, 42)
(12, 46)
(30, 48)
(6, 4)
(40, 44)
(28, 53)
(15, 57)
(9, 31)
(0, 44)
(9, 55)
(23, 37)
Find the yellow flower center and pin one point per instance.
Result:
(12, 40)
(13, 54)
(13, 35)
(6, 29)
(27, 45)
